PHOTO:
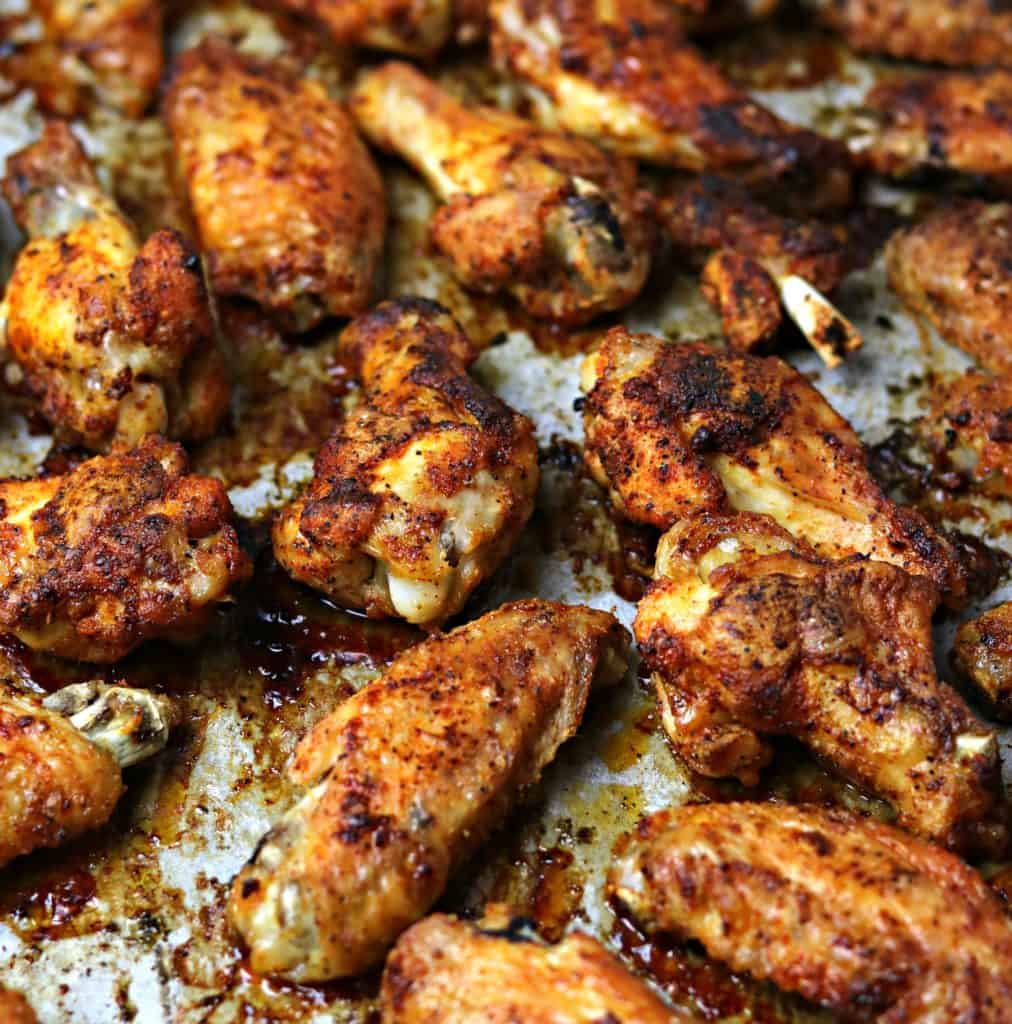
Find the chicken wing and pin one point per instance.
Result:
(14, 1008)
(77, 53)
(124, 548)
(749, 634)
(447, 971)
(711, 17)
(422, 491)
(954, 268)
(547, 216)
(963, 33)
(113, 338)
(674, 430)
(408, 777)
(60, 759)
(287, 201)
(624, 75)
(983, 652)
(954, 123)
(850, 913)
(757, 262)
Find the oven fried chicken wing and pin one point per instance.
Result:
(954, 268)
(624, 75)
(749, 634)
(125, 548)
(60, 759)
(984, 653)
(422, 491)
(852, 914)
(14, 1008)
(550, 217)
(114, 338)
(408, 777)
(444, 970)
(964, 33)
(758, 264)
(674, 430)
(287, 201)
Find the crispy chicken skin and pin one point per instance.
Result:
(983, 652)
(954, 268)
(852, 914)
(447, 971)
(408, 777)
(287, 201)
(548, 216)
(86, 53)
(424, 488)
(749, 634)
(675, 430)
(954, 123)
(963, 33)
(60, 759)
(114, 338)
(14, 1008)
(125, 548)
(624, 75)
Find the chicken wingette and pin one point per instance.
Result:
(954, 268)
(61, 757)
(547, 216)
(408, 777)
(423, 489)
(122, 549)
(983, 652)
(113, 338)
(749, 634)
(624, 75)
(677, 429)
(758, 264)
(287, 201)
(444, 970)
(852, 914)
(963, 33)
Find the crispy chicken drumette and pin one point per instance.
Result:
(421, 492)
(758, 264)
(749, 634)
(955, 269)
(624, 75)
(548, 216)
(674, 430)
(444, 970)
(287, 201)
(852, 914)
(114, 339)
(125, 548)
(77, 53)
(60, 759)
(963, 33)
(409, 776)
(984, 653)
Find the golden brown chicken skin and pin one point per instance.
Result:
(14, 1008)
(424, 488)
(447, 971)
(673, 430)
(408, 777)
(288, 204)
(546, 216)
(76, 54)
(113, 338)
(963, 33)
(983, 652)
(852, 914)
(125, 548)
(625, 76)
(954, 268)
(749, 634)
(60, 759)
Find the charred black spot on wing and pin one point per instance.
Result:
(596, 211)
